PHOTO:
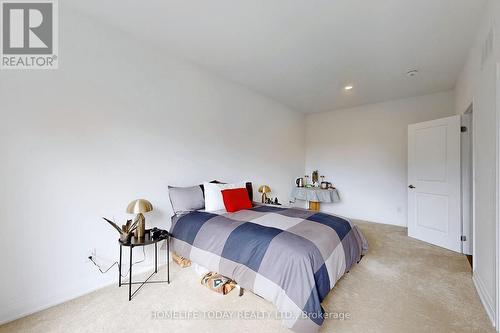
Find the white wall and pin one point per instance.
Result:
(477, 85)
(117, 121)
(363, 151)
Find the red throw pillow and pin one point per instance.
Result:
(236, 199)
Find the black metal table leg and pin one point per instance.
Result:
(130, 276)
(168, 259)
(141, 242)
(120, 269)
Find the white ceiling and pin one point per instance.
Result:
(302, 52)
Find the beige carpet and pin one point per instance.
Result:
(402, 285)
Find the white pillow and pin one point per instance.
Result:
(213, 195)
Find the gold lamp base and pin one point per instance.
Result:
(141, 226)
(264, 197)
(138, 207)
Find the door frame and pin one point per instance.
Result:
(470, 175)
(497, 259)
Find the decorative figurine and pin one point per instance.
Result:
(315, 175)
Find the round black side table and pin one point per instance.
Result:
(134, 242)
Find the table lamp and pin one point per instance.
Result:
(138, 207)
(264, 189)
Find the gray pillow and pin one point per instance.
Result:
(186, 199)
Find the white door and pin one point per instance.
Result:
(434, 182)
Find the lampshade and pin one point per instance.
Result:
(139, 206)
(264, 189)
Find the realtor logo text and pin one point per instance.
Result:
(29, 34)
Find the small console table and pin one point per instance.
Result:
(315, 195)
(134, 242)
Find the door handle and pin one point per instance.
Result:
(411, 186)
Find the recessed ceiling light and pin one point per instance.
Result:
(348, 87)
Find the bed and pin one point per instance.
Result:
(291, 257)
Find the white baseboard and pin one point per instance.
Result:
(486, 298)
(64, 297)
